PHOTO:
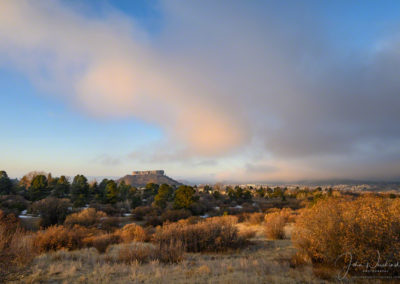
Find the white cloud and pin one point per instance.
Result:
(257, 83)
(104, 67)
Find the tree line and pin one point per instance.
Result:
(38, 185)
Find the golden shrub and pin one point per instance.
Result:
(59, 237)
(361, 227)
(212, 234)
(136, 253)
(16, 248)
(251, 218)
(87, 217)
(133, 232)
(275, 222)
(247, 233)
(101, 242)
(9, 224)
(54, 238)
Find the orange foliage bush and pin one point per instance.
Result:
(132, 232)
(15, 244)
(247, 233)
(212, 234)
(251, 218)
(362, 227)
(101, 242)
(54, 238)
(87, 217)
(60, 237)
(275, 223)
(9, 224)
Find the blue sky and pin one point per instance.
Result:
(209, 91)
(42, 133)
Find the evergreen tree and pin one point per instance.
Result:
(184, 197)
(5, 183)
(150, 190)
(101, 191)
(123, 191)
(38, 188)
(79, 191)
(61, 187)
(134, 197)
(111, 192)
(164, 194)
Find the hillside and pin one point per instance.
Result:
(140, 179)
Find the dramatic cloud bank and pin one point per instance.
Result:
(253, 83)
(107, 67)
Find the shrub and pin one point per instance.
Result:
(274, 228)
(136, 253)
(13, 203)
(213, 234)
(133, 232)
(87, 218)
(153, 221)
(144, 253)
(15, 244)
(247, 233)
(106, 208)
(171, 252)
(59, 237)
(9, 224)
(175, 215)
(108, 224)
(275, 222)
(193, 219)
(361, 227)
(139, 213)
(198, 208)
(251, 218)
(101, 242)
(52, 210)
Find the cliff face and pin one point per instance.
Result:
(141, 178)
(157, 172)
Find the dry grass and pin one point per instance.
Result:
(264, 262)
(136, 253)
(145, 253)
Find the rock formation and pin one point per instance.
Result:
(141, 178)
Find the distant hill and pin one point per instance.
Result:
(141, 178)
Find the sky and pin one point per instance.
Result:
(209, 91)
